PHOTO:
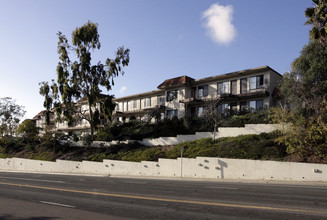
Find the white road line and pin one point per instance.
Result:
(37, 180)
(57, 204)
(221, 187)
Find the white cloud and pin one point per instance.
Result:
(218, 22)
(122, 90)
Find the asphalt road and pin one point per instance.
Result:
(41, 196)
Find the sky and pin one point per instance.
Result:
(166, 38)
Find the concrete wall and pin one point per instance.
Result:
(200, 167)
(162, 141)
(222, 132)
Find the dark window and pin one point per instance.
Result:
(256, 105)
(171, 113)
(243, 106)
(244, 85)
(259, 104)
(256, 82)
(193, 89)
(203, 91)
(233, 106)
(171, 95)
(161, 100)
(223, 108)
(222, 88)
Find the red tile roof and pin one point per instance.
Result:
(176, 82)
(38, 115)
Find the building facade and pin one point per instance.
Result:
(80, 123)
(184, 96)
(180, 97)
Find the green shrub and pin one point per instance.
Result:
(87, 139)
(254, 147)
(29, 147)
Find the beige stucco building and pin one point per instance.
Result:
(80, 123)
(184, 96)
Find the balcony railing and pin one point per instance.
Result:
(132, 111)
(195, 98)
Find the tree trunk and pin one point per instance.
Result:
(214, 132)
(91, 120)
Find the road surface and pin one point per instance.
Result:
(33, 196)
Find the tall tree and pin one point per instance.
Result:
(304, 105)
(317, 17)
(82, 78)
(10, 115)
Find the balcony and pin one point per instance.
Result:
(140, 111)
(193, 98)
(263, 91)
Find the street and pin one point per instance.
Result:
(43, 196)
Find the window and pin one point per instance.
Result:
(171, 95)
(256, 82)
(200, 111)
(223, 87)
(233, 106)
(259, 104)
(252, 105)
(147, 102)
(244, 85)
(202, 91)
(125, 106)
(256, 105)
(223, 108)
(171, 113)
(120, 106)
(233, 87)
(132, 104)
(243, 106)
(193, 92)
(161, 100)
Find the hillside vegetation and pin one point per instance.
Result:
(260, 147)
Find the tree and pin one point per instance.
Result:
(28, 130)
(317, 17)
(82, 78)
(304, 105)
(10, 115)
(212, 116)
(305, 87)
(304, 93)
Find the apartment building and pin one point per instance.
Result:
(181, 96)
(184, 96)
(79, 124)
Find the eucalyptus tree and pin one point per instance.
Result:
(82, 78)
(317, 16)
(304, 104)
(10, 115)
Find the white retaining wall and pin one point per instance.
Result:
(222, 132)
(162, 141)
(200, 167)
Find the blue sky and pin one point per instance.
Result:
(167, 38)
